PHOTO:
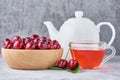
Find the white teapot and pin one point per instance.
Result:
(77, 29)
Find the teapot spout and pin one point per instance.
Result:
(53, 33)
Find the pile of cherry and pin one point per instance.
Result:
(33, 42)
(71, 64)
(37, 42)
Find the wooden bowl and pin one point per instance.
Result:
(31, 59)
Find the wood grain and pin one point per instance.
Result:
(31, 59)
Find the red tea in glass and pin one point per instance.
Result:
(90, 55)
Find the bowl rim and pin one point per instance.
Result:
(33, 49)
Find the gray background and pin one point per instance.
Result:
(25, 17)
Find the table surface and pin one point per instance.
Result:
(108, 71)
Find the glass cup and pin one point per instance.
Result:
(90, 54)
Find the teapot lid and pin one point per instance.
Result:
(78, 14)
(79, 18)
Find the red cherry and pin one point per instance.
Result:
(23, 40)
(49, 46)
(15, 38)
(45, 46)
(62, 63)
(34, 36)
(36, 41)
(27, 40)
(57, 46)
(7, 44)
(40, 45)
(52, 47)
(36, 46)
(23, 46)
(30, 45)
(51, 42)
(17, 44)
(72, 64)
(43, 39)
(55, 42)
(48, 41)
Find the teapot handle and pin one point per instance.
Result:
(111, 27)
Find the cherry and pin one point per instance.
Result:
(57, 46)
(72, 64)
(45, 46)
(49, 46)
(30, 45)
(33, 42)
(55, 42)
(40, 44)
(36, 46)
(7, 44)
(34, 36)
(18, 44)
(23, 40)
(43, 39)
(36, 41)
(62, 63)
(48, 41)
(15, 38)
(51, 42)
(27, 40)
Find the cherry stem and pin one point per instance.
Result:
(68, 50)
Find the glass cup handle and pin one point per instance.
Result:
(109, 56)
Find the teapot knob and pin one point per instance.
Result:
(78, 14)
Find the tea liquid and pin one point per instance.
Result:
(88, 58)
